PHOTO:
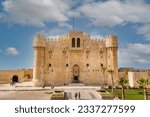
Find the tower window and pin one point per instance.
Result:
(87, 65)
(73, 42)
(66, 65)
(50, 65)
(78, 42)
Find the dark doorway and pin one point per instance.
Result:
(15, 78)
(76, 73)
(75, 79)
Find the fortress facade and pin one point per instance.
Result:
(74, 58)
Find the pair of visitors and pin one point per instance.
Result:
(77, 95)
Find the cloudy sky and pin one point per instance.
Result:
(21, 19)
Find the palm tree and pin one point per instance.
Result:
(144, 83)
(122, 82)
(112, 80)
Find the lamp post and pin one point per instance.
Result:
(104, 80)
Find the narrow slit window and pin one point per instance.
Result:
(73, 42)
(78, 42)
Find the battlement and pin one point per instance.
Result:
(39, 41)
(112, 41)
(98, 40)
(111, 36)
(52, 40)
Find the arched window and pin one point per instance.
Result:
(73, 42)
(78, 42)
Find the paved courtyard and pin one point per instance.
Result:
(24, 91)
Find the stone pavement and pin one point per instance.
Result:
(85, 94)
(25, 91)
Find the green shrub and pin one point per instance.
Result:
(107, 96)
(101, 90)
(58, 95)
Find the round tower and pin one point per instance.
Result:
(112, 41)
(112, 56)
(39, 58)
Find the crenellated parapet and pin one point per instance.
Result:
(111, 41)
(39, 41)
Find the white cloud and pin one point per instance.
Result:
(107, 13)
(134, 54)
(11, 51)
(114, 12)
(54, 33)
(145, 30)
(96, 36)
(53, 37)
(64, 24)
(35, 12)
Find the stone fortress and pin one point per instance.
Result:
(74, 58)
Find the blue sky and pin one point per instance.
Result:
(20, 20)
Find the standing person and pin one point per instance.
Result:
(10, 82)
(13, 82)
(43, 86)
(79, 95)
(52, 87)
(76, 96)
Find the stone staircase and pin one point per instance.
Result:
(76, 84)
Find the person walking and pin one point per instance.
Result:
(10, 82)
(76, 95)
(79, 95)
(43, 86)
(13, 82)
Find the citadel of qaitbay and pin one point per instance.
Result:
(74, 58)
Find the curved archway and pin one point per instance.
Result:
(76, 73)
(15, 78)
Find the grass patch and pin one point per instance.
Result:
(131, 94)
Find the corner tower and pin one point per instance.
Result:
(39, 60)
(112, 57)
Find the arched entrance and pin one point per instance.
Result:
(76, 74)
(15, 78)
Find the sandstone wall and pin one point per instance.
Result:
(91, 57)
(23, 75)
